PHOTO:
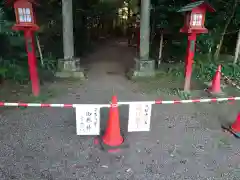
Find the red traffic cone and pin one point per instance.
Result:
(235, 127)
(216, 83)
(112, 136)
(112, 139)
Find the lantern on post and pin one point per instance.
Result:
(26, 22)
(193, 24)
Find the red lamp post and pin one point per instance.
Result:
(193, 25)
(26, 22)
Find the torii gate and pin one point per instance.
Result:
(144, 65)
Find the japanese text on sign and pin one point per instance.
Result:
(88, 120)
(139, 117)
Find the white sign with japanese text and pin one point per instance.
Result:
(139, 117)
(88, 120)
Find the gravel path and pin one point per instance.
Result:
(185, 142)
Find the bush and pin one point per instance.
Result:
(204, 69)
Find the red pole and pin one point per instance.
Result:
(189, 60)
(28, 34)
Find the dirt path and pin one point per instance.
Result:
(185, 141)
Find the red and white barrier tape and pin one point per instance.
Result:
(44, 105)
(198, 100)
(7, 104)
(182, 101)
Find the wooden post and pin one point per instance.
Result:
(160, 50)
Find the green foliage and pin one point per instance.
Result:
(204, 69)
(232, 70)
(13, 69)
(164, 16)
(13, 57)
(176, 71)
(11, 53)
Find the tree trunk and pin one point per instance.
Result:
(160, 50)
(217, 52)
(129, 10)
(237, 51)
(39, 50)
(67, 25)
